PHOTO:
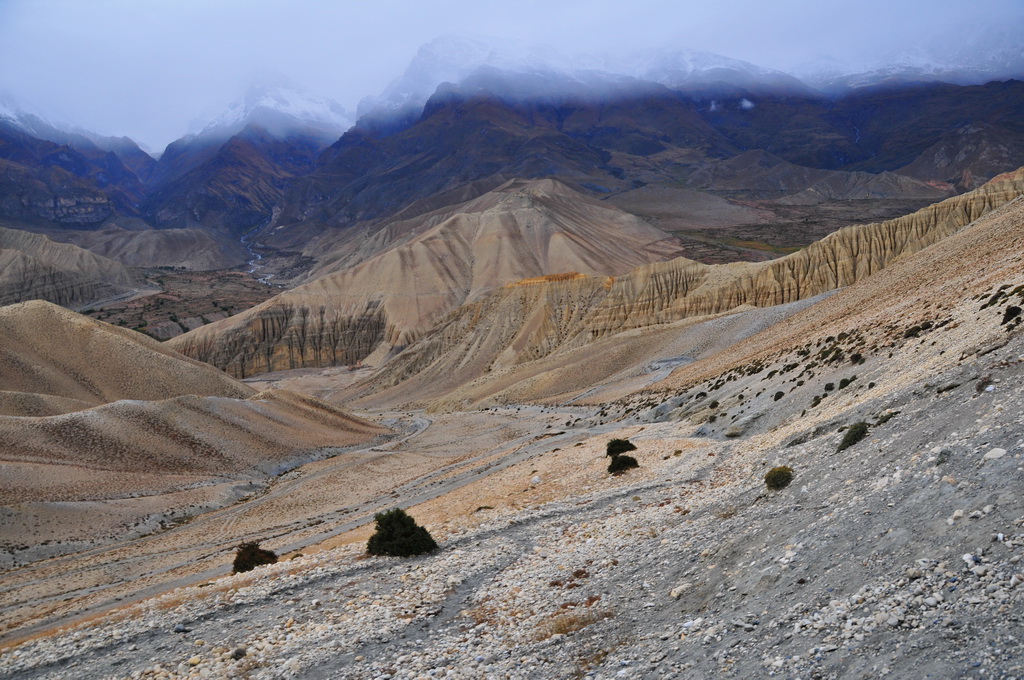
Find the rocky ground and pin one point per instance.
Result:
(899, 556)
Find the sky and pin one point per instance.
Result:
(147, 68)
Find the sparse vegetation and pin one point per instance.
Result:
(250, 555)
(779, 477)
(570, 622)
(1011, 313)
(398, 535)
(854, 434)
(620, 463)
(617, 446)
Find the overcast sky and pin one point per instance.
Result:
(146, 68)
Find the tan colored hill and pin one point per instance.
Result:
(48, 350)
(132, 446)
(191, 248)
(34, 267)
(93, 417)
(494, 344)
(442, 261)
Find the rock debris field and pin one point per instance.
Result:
(899, 557)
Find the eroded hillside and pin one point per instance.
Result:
(442, 261)
(32, 267)
(895, 555)
(493, 340)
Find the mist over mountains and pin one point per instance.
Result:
(315, 185)
(976, 53)
(454, 296)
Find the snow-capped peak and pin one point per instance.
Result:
(455, 59)
(281, 107)
(27, 118)
(452, 59)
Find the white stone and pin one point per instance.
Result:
(994, 454)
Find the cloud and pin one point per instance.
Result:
(145, 68)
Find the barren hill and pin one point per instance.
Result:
(152, 447)
(441, 261)
(34, 267)
(191, 248)
(493, 340)
(894, 555)
(46, 349)
(92, 415)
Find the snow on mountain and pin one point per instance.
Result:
(281, 108)
(24, 117)
(451, 59)
(529, 65)
(975, 53)
(687, 69)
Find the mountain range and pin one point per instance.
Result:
(289, 170)
(454, 303)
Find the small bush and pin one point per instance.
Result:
(621, 463)
(250, 555)
(854, 434)
(617, 446)
(778, 477)
(779, 395)
(398, 535)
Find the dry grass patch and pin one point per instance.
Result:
(570, 622)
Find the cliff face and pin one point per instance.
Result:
(34, 267)
(521, 230)
(531, 320)
(428, 303)
(681, 289)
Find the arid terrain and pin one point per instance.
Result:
(898, 556)
(797, 293)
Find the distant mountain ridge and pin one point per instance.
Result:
(285, 170)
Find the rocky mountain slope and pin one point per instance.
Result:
(442, 260)
(487, 346)
(93, 414)
(898, 555)
(49, 350)
(32, 267)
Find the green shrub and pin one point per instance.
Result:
(779, 395)
(621, 463)
(398, 535)
(617, 446)
(854, 434)
(778, 477)
(250, 555)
